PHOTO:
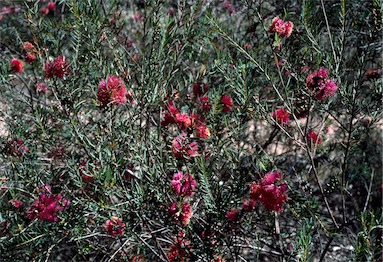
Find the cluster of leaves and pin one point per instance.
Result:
(115, 162)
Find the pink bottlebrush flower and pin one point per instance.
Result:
(181, 148)
(219, 259)
(59, 68)
(16, 203)
(227, 103)
(177, 182)
(44, 11)
(51, 6)
(178, 145)
(283, 29)
(229, 7)
(17, 66)
(170, 115)
(41, 88)
(29, 52)
(181, 213)
(270, 191)
(248, 205)
(30, 58)
(327, 89)
(271, 178)
(319, 84)
(281, 116)
(47, 206)
(173, 211)
(191, 149)
(202, 131)
(10, 10)
(28, 47)
(186, 214)
(288, 29)
(112, 91)
(247, 46)
(313, 138)
(114, 226)
(183, 120)
(16, 147)
(232, 215)
(183, 185)
(178, 251)
(316, 78)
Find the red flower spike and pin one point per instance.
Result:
(233, 215)
(16, 203)
(202, 131)
(17, 66)
(227, 103)
(183, 185)
(313, 138)
(283, 29)
(319, 84)
(58, 68)
(112, 91)
(281, 116)
(47, 206)
(114, 227)
(182, 148)
(270, 191)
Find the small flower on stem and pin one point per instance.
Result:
(227, 103)
(114, 226)
(17, 66)
(281, 116)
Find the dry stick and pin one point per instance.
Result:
(328, 30)
(151, 249)
(321, 189)
(119, 249)
(368, 193)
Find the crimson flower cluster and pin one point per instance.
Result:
(186, 121)
(58, 68)
(182, 148)
(50, 7)
(178, 251)
(47, 206)
(16, 66)
(29, 52)
(313, 138)
(183, 184)
(281, 116)
(114, 226)
(320, 85)
(270, 191)
(180, 212)
(227, 103)
(282, 28)
(112, 91)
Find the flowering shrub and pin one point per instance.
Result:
(190, 130)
